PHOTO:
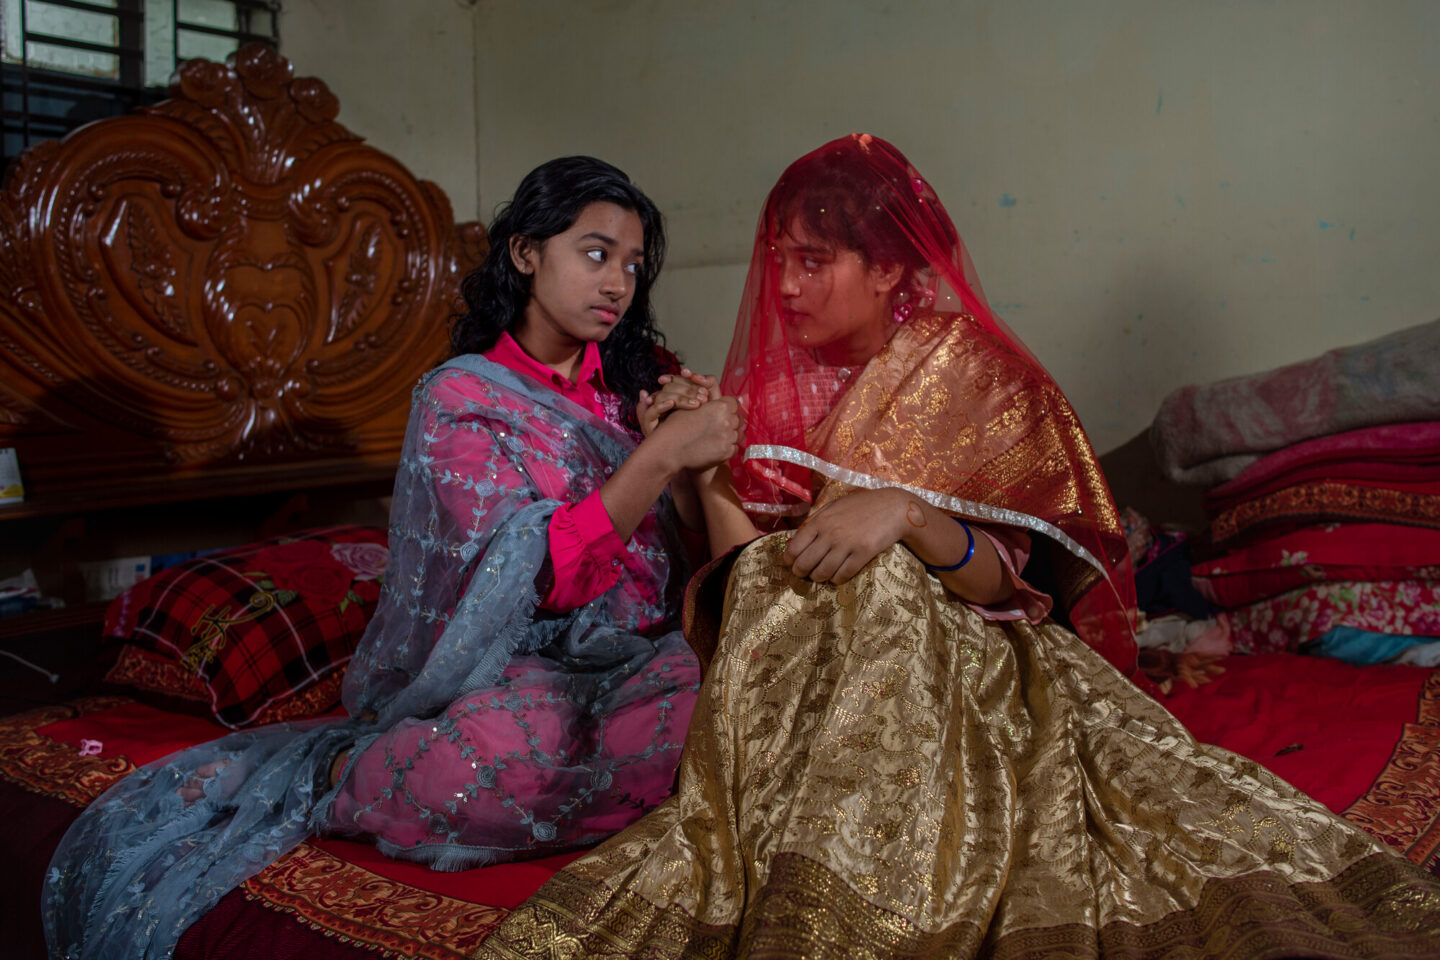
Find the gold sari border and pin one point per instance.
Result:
(941, 501)
(805, 910)
(571, 918)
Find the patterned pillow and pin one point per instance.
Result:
(253, 635)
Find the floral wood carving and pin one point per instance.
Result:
(226, 279)
(154, 269)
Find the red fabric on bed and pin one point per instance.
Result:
(1327, 501)
(237, 929)
(1369, 742)
(1367, 552)
(27, 857)
(1399, 452)
(254, 634)
(1346, 719)
(145, 733)
(136, 730)
(506, 885)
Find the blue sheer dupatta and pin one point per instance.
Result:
(458, 606)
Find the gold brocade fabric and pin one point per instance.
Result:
(1010, 439)
(874, 770)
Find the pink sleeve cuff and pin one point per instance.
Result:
(586, 554)
(1026, 603)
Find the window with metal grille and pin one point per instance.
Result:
(67, 62)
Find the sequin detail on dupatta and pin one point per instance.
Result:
(456, 629)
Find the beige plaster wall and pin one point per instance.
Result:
(1154, 192)
(404, 71)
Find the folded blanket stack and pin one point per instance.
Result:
(1325, 509)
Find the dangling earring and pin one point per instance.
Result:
(901, 310)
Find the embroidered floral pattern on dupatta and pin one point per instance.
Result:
(480, 731)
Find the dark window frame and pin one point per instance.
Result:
(44, 104)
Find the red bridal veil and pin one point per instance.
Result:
(952, 406)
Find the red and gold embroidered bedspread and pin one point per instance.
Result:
(1363, 740)
(363, 903)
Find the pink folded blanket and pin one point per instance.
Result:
(1393, 453)
(1208, 434)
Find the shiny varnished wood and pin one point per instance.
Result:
(228, 287)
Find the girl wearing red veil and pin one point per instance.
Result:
(900, 749)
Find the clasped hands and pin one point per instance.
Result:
(835, 541)
(689, 418)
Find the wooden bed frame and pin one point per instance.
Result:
(224, 295)
(225, 291)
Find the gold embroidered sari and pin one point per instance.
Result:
(875, 770)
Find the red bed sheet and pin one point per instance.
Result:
(327, 900)
(1363, 740)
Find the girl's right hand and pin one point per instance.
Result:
(703, 437)
(687, 391)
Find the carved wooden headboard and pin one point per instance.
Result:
(224, 293)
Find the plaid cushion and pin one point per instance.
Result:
(252, 635)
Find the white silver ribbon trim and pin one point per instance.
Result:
(968, 508)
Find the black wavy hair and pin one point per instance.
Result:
(547, 202)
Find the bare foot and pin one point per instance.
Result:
(194, 788)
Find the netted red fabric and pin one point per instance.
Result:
(938, 395)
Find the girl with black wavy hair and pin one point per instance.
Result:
(524, 687)
(548, 202)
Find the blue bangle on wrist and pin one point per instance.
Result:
(969, 551)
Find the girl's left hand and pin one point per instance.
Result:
(688, 391)
(836, 541)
